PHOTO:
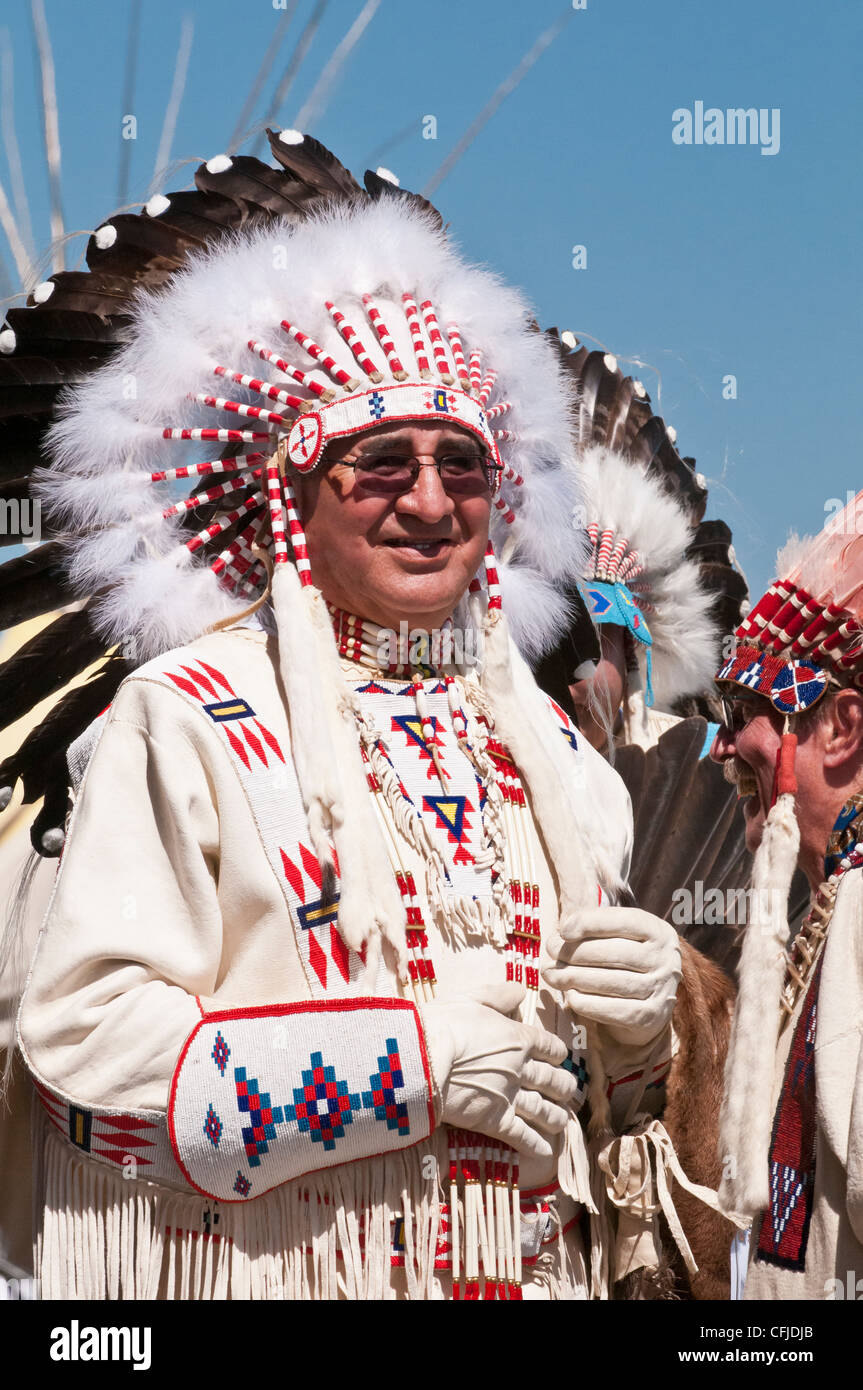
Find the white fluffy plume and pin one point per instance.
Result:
(621, 497)
(829, 565)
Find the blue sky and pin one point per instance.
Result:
(702, 260)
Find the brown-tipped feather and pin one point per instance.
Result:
(689, 829)
(382, 188)
(259, 185)
(85, 292)
(46, 663)
(37, 760)
(144, 247)
(63, 329)
(204, 231)
(53, 812)
(314, 165)
(33, 584)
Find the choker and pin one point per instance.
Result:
(408, 652)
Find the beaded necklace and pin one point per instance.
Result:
(844, 852)
(512, 919)
(481, 1223)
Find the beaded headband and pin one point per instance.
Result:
(789, 646)
(384, 406)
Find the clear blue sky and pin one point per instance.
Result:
(701, 260)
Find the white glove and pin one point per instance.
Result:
(617, 966)
(495, 1075)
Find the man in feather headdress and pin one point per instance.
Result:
(658, 588)
(792, 1118)
(286, 1016)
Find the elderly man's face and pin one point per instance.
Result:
(828, 767)
(748, 754)
(821, 767)
(390, 557)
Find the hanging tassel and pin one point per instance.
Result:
(573, 1167)
(648, 688)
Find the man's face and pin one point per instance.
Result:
(607, 686)
(389, 557)
(748, 756)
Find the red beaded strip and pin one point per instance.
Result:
(384, 338)
(223, 522)
(325, 393)
(486, 387)
(413, 319)
(217, 436)
(262, 388)
(352, 338)
(236, 463)
(329, 364)
(437, 342)
(486, 1242)
(211, 494)
(493, 582)
(457, 346)
(277, 515)
(475, 372)
(525, 936)
(298, 536)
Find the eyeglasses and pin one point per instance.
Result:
(462, 475)
(737, 711)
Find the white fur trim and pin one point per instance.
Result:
(748, 1103)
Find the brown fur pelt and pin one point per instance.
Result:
(702, 1021)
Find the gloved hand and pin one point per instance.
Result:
(617, 966)
(495, 1075)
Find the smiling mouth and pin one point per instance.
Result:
(412, 543)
